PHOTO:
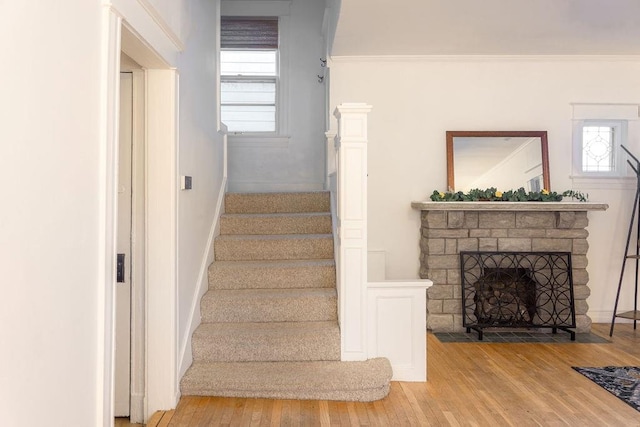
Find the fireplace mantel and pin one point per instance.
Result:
(448, 228)
(510, 206)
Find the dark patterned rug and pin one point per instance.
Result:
(622, 381)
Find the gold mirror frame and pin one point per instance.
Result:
(544, 150)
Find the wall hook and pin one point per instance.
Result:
(323, 62)
(320, 78)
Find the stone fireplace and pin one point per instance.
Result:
(448, 228)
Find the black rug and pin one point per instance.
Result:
(622, 381)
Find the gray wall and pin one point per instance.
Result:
(295, 163)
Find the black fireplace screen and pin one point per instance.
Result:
(517, 290)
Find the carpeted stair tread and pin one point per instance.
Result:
(276, 223)
(269, 305)
(351, 381)
(272, 247)
(312, 273)
(277, 202)
(272, 341)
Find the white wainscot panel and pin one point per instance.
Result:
(355, 127)
(397, 326)
(354, 192)
(353, 345)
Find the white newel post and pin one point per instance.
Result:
(378, 319)
(351, 144)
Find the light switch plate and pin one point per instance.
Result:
(185, 182)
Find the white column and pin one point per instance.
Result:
(352, 228)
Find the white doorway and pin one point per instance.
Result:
(154, 384)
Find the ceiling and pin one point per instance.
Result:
(488, 27)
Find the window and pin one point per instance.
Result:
(249, 74)
(599, 132)
(597, 146)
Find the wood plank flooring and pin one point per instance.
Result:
(469, 384)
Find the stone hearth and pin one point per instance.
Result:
(450, 227)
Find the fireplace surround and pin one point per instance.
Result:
(448, 228)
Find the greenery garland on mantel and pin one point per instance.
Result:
(493, 195)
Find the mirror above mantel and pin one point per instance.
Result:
(506, 160)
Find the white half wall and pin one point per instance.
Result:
(396, 326)
(417, 99)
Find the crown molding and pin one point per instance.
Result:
(485, 58)
(159, 20)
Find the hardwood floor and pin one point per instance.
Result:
(124, 422)
(469, 385)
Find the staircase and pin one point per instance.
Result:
(269, 320)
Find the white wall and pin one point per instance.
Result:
(50, 229)
(201, 158)
(54, 219)
(296, 164)
(417, 99)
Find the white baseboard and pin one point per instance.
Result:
(136, 411)
(605, 316)
(186, 358)
(333, 194)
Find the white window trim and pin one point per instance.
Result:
(602, 112)
(281, 9)
(620, 137)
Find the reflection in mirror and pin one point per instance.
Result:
(506, 160)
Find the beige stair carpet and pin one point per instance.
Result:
(269, 320)
(320, 380)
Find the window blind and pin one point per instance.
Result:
(248, 33)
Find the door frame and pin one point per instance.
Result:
(156, 309)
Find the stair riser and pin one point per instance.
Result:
(252, 250)
(231, 277)
(277, 202)
(242, 348)
(292, 309)
(365, 395)
(279, 225)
